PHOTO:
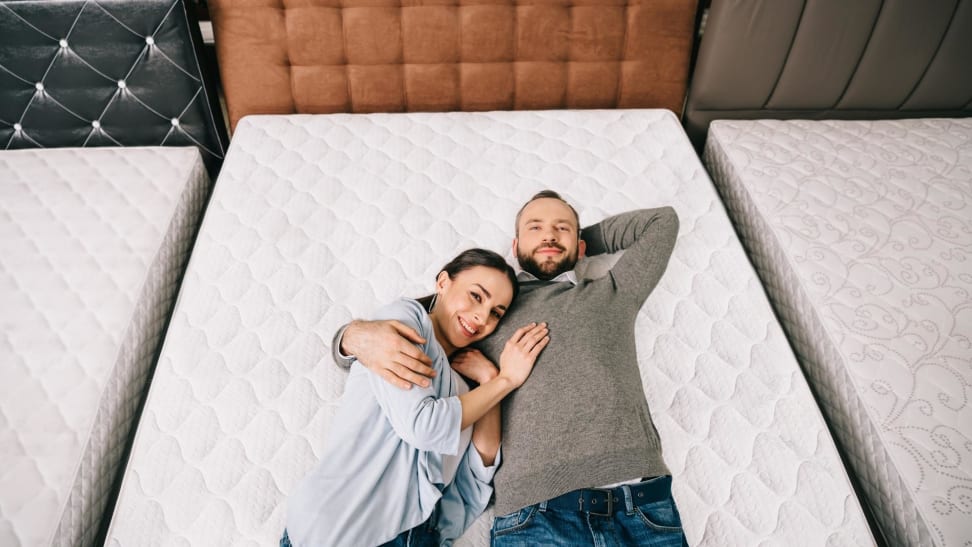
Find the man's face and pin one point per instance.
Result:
(547, 242)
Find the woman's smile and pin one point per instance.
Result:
(466, 328)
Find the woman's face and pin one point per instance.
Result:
(470, 305)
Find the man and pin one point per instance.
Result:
(582, 459)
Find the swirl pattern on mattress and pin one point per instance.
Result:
(318, 219)
(863, 233)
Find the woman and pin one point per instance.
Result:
(414, 467)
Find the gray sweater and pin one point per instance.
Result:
(581, 420)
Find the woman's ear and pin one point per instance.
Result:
(442, 281)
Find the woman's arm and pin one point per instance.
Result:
(516, 363)
(487, 432)
(487, 435)
(428, 422)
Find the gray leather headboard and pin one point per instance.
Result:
(845, 59)
(105, 73)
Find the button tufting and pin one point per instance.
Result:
(18, 127)
(96, 124)
(65, 105)
(174, 122)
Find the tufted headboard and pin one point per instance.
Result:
(859, 59)
(107, 73)
(320, 56)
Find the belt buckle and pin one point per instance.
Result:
(609, 505)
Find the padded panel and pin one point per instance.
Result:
(754, 30)
(823, 59)
(941, 81)
(898, 54)
(321, 56)
(823, 65)
(108, 73)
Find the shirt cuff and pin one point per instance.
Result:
(481, 471)
(341, 359)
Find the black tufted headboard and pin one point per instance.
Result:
(106, 73)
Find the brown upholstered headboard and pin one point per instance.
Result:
(859, 59)
(320, 56)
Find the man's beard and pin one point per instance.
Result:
(548, 269)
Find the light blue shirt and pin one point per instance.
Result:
(391, 456)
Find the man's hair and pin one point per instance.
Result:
(541, 195)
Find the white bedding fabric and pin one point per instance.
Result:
(319, 219)
(92, 244)
(863, 234)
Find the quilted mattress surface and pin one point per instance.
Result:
(319, 219)
(863, 234)
(92, 244)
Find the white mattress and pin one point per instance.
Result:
(92, 244)
(319, 219)
(863, 233)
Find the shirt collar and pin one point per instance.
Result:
(570, 276)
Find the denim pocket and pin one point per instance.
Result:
(661, 515)
(513, 521)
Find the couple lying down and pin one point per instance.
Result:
(413, 455)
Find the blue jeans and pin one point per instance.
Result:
(422, 535)
(638, 514)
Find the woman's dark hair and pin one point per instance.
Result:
(470, 259)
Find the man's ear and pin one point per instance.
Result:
(515, 242)
(581, 248)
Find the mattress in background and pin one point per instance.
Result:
(862, 232)
(319, 219)
(93, 242)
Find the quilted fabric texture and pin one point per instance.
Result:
(286, 56)
(92, 247)
(108, 73)
(319, 219)
(863, 232)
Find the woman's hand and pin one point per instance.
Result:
(516, 363)
(520, 353)
(472, 364)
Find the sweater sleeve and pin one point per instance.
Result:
(341, 360)
(418, 415)
(647, 236)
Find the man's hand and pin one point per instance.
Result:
(387, 348)
(472, 364)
